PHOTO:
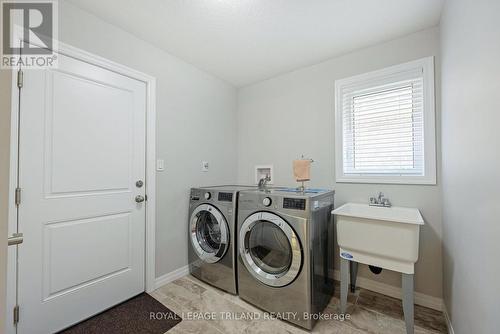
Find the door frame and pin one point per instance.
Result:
(150, 240)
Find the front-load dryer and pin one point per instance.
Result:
(285, 245)
(211, 235)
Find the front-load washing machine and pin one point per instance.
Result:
(285, 245)
(211, 234)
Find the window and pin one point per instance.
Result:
(385, 125)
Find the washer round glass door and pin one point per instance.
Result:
(209, 233)
(270, 249)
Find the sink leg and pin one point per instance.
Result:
(344, 282)
(354, 273)
(407, 284)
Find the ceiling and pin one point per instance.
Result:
(245, 41)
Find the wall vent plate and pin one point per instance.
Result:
(262, 171)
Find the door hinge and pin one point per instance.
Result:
(16, 314)
(20, 78)
(18, 196)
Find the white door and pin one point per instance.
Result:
(82, 149)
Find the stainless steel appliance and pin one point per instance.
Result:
(212, 225)
(285, 245)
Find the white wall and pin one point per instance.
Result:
(5, 91)
(281, 118)
(195, 121)
(471, 164)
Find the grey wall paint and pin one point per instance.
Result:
(471, 164)
(195, 121)
(293, 114)
(5, 91)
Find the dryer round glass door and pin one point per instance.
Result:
(209, 233)
(270, 249)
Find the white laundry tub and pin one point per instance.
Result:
(379, 236)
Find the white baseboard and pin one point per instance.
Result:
(395, 292)
(448, 320)
(365, 283)
(171, 276)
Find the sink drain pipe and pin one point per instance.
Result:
(375, 270)
(353, 269)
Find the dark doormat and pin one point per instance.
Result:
(131, 317)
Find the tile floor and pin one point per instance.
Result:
(370, 312)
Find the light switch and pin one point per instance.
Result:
(160, 165)
(204, 166)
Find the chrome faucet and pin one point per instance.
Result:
(263, 182)
(380, 200)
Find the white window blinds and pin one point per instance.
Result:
(383, 129)
(382, 124)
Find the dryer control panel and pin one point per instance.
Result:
(294, 203)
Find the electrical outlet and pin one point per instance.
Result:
(204, 166)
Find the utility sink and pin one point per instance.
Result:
(385, 237)
(379, 236)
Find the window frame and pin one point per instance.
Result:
(374, 78)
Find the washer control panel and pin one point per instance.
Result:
(225, 197)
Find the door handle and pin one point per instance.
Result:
(139, 199)
(15, 239)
